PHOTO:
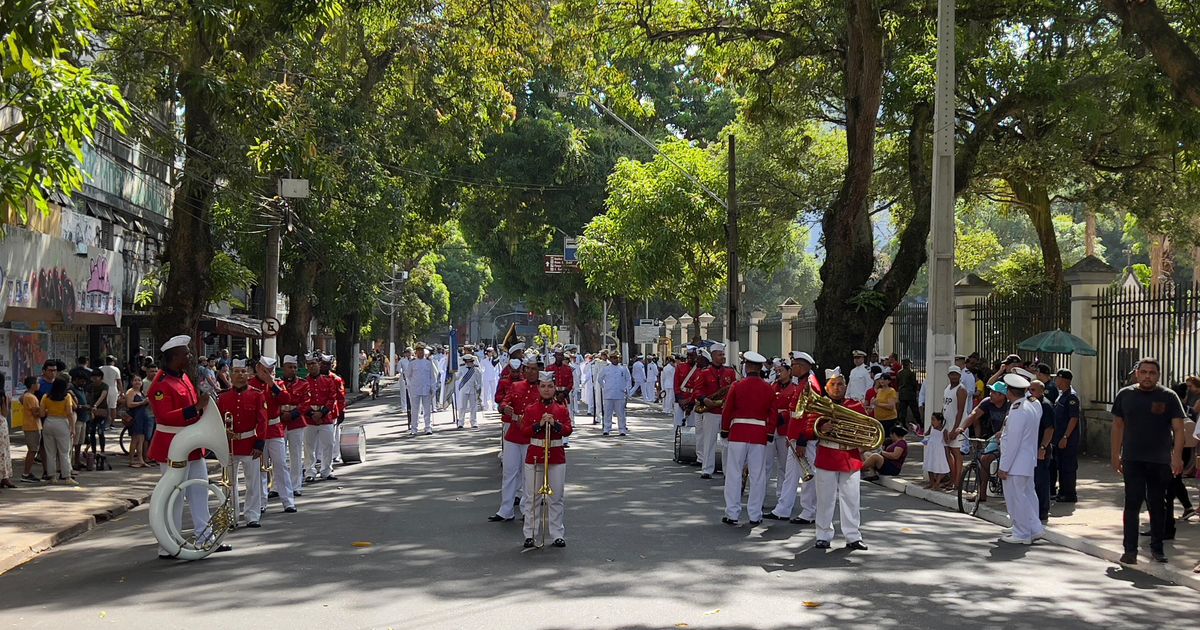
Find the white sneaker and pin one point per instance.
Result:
(1012, 540)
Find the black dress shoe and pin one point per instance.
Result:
(297, 493)
(1129, 557)
(773, 516)
(528, 543)
(310, 479)
(705, 476)
(800, 521)
(253, 524)
(728, 521)
(165, 556)
(755, 523)
(558, 542)
(822, 544)
(223, 547)
(289, 510)
(331, 478)
(272, 495)
(857, 545)
(1158, 556)
(496, 518)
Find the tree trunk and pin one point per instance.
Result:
(189, 251)
(1171, 51)
(346, 336)
(849, 246)
(1035, 202)
(293, 335)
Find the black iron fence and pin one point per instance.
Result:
(1135, 322)
(1003, 322)
(910, 333)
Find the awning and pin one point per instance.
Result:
(232, 325)
(99, 211)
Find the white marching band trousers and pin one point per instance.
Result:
(252, 506)
(739, 455)
(775, 462)
(792, 473)
(669, 405)
(295, 449)
(318, 446)
(512, 458)
(531, 505)
(275, 451)
(840, 488)
(707, 432)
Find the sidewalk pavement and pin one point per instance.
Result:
(36, 517)
(1092, 525)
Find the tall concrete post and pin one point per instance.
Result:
(966, 292)
(685, 325)
(705, 320)
(756, 317)
(789, 310)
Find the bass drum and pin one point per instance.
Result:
(685, 445)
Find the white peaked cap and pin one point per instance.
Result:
(516, 347)
(1016, 380)
(804, 356)
(178, 341)
(754, 357)
(716, 347)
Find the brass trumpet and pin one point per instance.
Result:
(846, 427)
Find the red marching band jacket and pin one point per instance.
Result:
(249, 410)
(276, 396)
(173, 399)
(536, 434)
(795, 426)
(507, 380)
(748, 411)
(339, 396)
(322, 398)
(564, 376)
(519, 397)
(785, 402)
(297, 391)
(830, 455)
(712, 380)
(683, 386)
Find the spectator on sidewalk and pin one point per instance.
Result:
(6, 469)
(1147, 450)
(890, 460)
(907, 386)
(1065, 446)
(49, 373)
(1041, 474)
(886, 402)
(58, 429)
(81, 369)
(98, 397)
(137, 404)
(83, 416)
(31, 424)
(936, 464)
(1049, 381)
(112, 380)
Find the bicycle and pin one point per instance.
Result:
(968, 487)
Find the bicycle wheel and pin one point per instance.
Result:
(995, 485)
(968, 489)
(121, 440)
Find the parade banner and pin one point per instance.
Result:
(46, 273)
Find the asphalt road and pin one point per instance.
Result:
(646, 550)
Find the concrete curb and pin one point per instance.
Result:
(83, 525)
(1165, 572)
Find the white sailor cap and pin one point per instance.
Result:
(267, 362)
(516, 347)
(326, 358)
(716, 347)
(531, 360)
(238, 363)
(690, 348)
(1016, 380)
(832, 374)
(545, 377)
(290, 359)
(704, 353)
(754, 357)
(803, 356)
(178, 341)
(315, 356)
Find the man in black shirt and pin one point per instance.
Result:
(1147, 449)
(1045, 433)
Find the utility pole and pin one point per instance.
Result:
(271, 284)
(940, 349)
(392, 319)
(734, 288)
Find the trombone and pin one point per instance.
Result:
(545, 492)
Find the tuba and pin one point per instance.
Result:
(847, 427)
(207, 433)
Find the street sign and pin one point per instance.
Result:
(270, 327)
(293, 188)
(553, 263)
(645, 333)
(570, 248)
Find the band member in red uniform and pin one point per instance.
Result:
(802, 380)
(685, 383)
(294, 415)
(837, 472)
(248, 407)
(177, 405)
(339, 402)
(542, 413)
(714, 382)
(275, 448)
(516, 352)
(322, 408)
(512, 456)
(746, 421)
(564, 377)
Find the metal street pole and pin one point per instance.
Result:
(940, 349)
(392, 322)
(271, 286)
(733, 287)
